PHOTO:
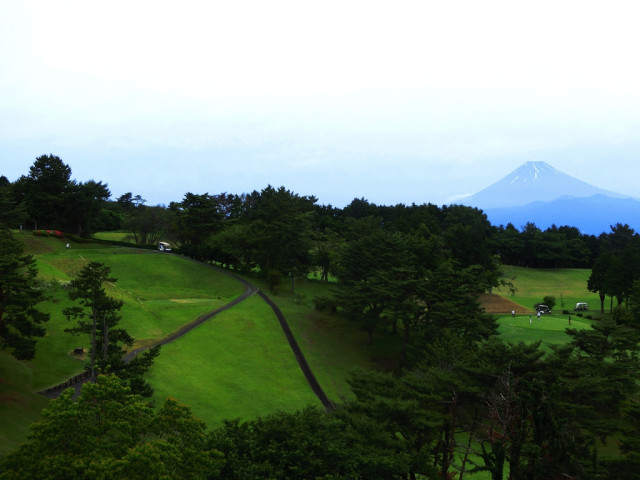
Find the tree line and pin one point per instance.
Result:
(205, 224)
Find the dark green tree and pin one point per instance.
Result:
(198, 217)
(445, 384)
(83, 204)
(549, 301)
(394, 435)
(149, 225)
(630, 444)
(43, 191)
(98, 316)
(20, 320)
(377, 273)
(466, 231)
(302, 445)
(448, 297)
(598, 278)
(109, 432)
(280, 232)
(12, 213)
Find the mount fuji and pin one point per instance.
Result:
(538, 193)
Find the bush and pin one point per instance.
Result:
(324, 304)
(299, 299)
(566, 312)
(48, 233)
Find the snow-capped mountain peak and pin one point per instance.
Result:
(533, 182)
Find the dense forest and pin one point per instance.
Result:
(460, 400)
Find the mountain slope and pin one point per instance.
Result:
(533, 182)
(591, 215)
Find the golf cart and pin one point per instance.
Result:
(542, 309)
(164, 247)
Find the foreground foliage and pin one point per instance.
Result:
(108, 432)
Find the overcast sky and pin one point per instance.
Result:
(396, 102)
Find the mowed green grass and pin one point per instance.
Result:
(160, 294)
(238, 364)
(568, 285)
(549, 329)
(113, 236)
(20, 406)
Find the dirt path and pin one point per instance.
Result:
(249, 290)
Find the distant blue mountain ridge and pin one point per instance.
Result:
(538, 193)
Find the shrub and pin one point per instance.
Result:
(299, 299)
(48, 233)
(549, 301)
(324, 304)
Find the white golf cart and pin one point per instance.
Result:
(164, 247)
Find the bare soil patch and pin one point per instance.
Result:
(493, 303)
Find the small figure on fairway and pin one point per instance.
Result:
(538, 315)
(513, 314)
(529, 319)
(569, 319)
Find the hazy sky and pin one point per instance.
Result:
(390, 101)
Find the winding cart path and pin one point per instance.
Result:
(249, 290)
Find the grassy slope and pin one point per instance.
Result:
(265, 377)
(20, 406)
(332, 345)
(211, 369)
(237, 365)
(160, 292)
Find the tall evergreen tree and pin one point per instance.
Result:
(377, 274)
(20, 320)
(43, 191)
(98, 316)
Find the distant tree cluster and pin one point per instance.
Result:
(616, 270)
(555, 247)
(47, 198)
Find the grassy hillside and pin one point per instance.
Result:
(236, 365)
(160, 293)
